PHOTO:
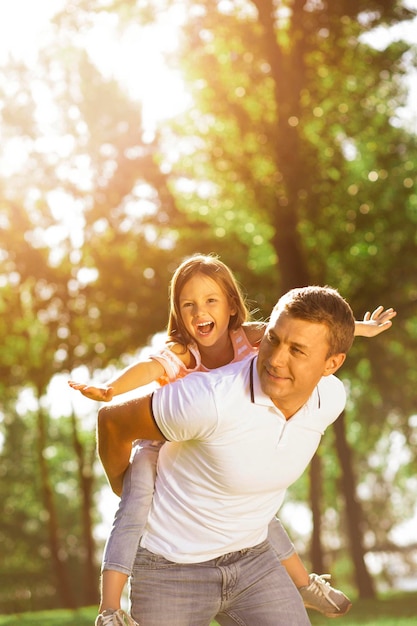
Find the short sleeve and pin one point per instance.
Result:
(186, 409)
(172, 364)
(332, 398)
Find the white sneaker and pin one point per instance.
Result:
(110, 617)
(320, 596)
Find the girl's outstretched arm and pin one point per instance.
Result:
(132, 377)
(375, 323)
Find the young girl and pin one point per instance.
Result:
(208, 327)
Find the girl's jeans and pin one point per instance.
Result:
(130, 519)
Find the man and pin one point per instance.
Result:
(240, 436)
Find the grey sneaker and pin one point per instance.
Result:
(320, 596)
(110, 617)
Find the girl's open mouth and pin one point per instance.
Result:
(205, 328)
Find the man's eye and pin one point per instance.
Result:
(297, 351)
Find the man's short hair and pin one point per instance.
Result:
(321, 305)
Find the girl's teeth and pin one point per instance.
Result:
(205, 327)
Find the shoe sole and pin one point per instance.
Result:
(330, 615)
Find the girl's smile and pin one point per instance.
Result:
(204, 328)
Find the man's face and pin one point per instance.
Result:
(292, 359)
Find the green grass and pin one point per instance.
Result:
(393, 610)
(63, 617)
(81, 617)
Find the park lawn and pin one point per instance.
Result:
(392, 610)
(62, 617)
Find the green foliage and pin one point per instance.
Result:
(27, 580)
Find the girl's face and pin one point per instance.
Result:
(205, 309)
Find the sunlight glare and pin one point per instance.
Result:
(133, 56)
(24, 27)
(136, 60)
(69, 214)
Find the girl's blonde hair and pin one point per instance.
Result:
(210, 266)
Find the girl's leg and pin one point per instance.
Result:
(315, 590)
(296, 570)
(129, 523)
(285, 550)
(112, 585)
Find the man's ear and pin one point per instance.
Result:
(333, 363)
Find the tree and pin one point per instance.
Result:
(32, 304)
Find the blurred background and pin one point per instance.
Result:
(277, 134)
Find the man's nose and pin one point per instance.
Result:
(278, 356)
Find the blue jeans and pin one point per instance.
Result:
(130, 519)
(279, 540)
(249, 587)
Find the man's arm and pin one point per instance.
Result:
(118, 425)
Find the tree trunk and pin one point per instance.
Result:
(287, 88)
(86, 482)
(354, 515)
(316, 492)
(58, 563)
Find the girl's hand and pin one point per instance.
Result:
(101, 394)
(375, 323)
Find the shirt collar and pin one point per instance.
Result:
(257, 396)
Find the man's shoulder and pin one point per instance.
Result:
(194, 407)
(330, 383)
(332, 393)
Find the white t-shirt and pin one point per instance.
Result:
(233, 455)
